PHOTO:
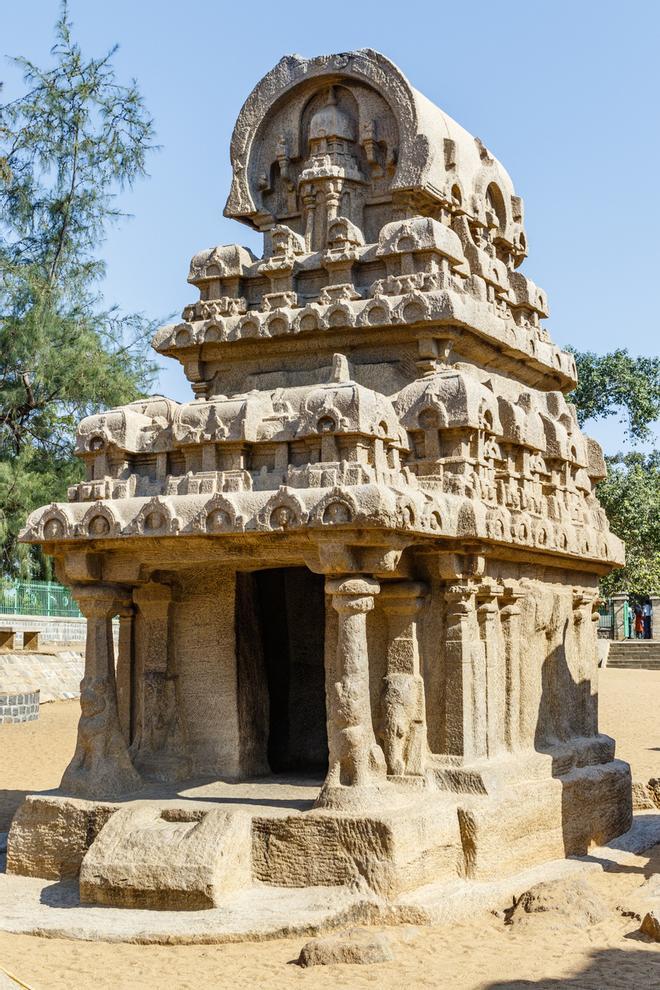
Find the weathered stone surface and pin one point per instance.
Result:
(264, 911)
(388, 853)
(641, 799)
(653, 790)
(359, 946)
(651, 925)
(369, 547)
(545, 819)
(147, 857)
(570, 901)
(49, 838)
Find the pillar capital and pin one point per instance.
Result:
(403, 596)
(152, 597)
(487, 606)
(582, 597)
(100, 601)
(352, 594)
(512, 595)
(487, 593)
(126, 610)
(460, 598)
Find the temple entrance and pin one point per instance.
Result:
(280, 625)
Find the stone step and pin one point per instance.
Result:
(639, 664)
(634, 655)
(636, 649)
(651, 647)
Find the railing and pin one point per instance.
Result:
(37, 598)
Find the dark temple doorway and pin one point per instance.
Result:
(280, 624)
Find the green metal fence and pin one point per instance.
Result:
(37, 598)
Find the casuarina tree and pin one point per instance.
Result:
(68, 145)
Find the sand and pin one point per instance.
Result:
(483, 954)
(628, 711)
(34, 755)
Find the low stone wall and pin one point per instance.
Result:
(22, 707)
(56, 675)
(52, 629)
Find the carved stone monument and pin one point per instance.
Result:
(365, 556)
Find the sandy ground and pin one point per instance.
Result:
(629, 712)
(481, 955)
(33, 755)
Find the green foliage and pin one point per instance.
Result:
(630, 496)
(67, 147)
(618, 384)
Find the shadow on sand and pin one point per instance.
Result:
(608, 969)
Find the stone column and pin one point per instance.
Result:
(101, 767)
(309, 203)
(332, 199)
(158, 748)
(124, 673)
(584, 662)
(495, 687)
(356, 761)
(516, 726)
(403, 732)
(618, 602)
(655, 617)
(465, 712)
(592, 710)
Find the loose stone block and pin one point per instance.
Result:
(358, 946)
(651, 925)
(146, 857)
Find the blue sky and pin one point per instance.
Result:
(565, 93)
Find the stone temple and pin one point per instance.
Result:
(355, 577)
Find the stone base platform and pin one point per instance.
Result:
(193, 847)
(53, 909)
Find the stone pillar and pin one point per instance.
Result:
(655, 617)
(309, 203)
(101, 767)
(618, 602)
(332, 199)
(495, 687)
(592, 701)
(403, 732)
(158, 748)
(517, 727)
(584, 662)
(465, 687)
(356, 761)
(124, 672)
